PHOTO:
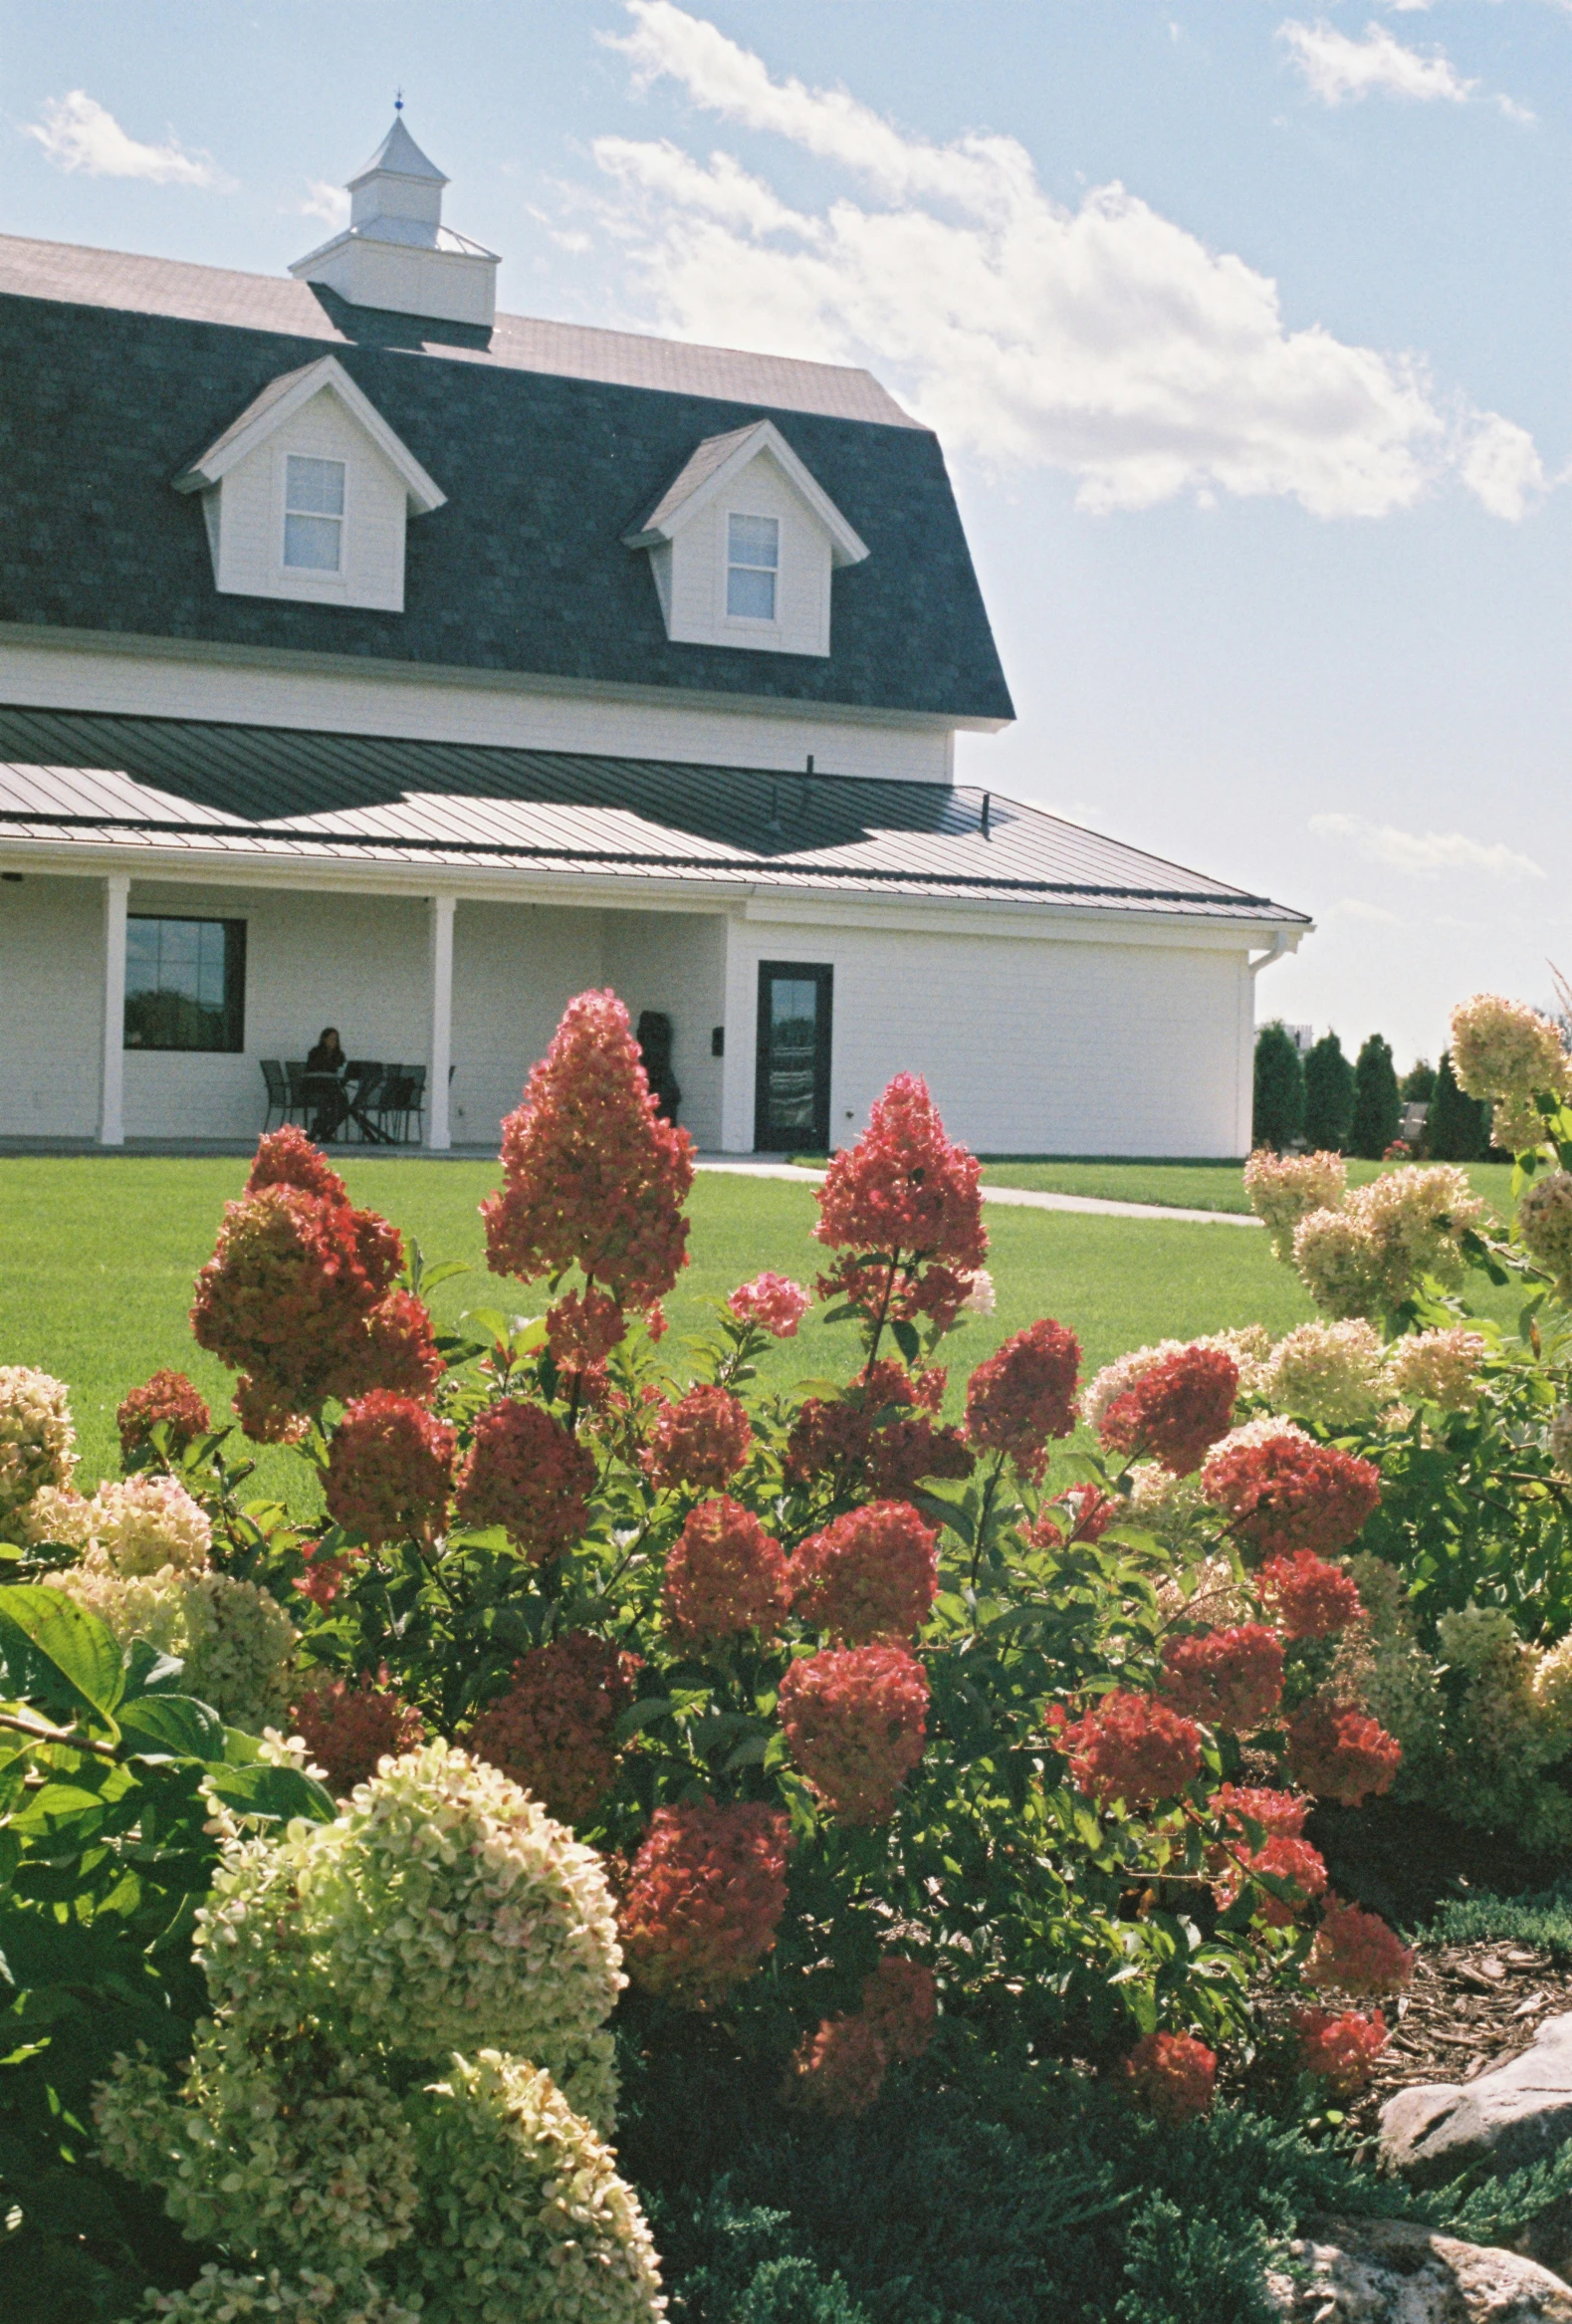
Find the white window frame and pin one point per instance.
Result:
(756, 622)
(332, 578)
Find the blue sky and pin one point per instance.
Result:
(1247, 328)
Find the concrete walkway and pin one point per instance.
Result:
(1028, 1198)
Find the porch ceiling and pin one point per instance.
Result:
(160, 785)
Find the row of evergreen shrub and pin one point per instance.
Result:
(1357, 1108)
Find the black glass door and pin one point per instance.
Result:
(792, 1107)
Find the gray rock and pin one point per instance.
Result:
(1393, 2272)
(1509, 2116)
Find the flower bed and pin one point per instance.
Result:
(817, 1748)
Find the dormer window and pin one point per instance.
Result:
(752, 555)
(307, 494)
(312, 514)
(756, 577)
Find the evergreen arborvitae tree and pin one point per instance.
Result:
(1328, 1096)
(1280, 1088)
(1418, 1085)
(1458, 1129)
(1377, 1107)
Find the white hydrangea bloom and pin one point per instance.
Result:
(60, 1516)
(1171, 1508)
(305, 2146)
(237, 1642)
(1369, 1255)
(1440, 1367)
(1285, 1188)
(1329, 1372)
(1561, 1439)
(220, 2296)
(1552, 1685)
(529, 2220)
(1544, 1224)
(980, 1295)
(442, 1907)
(1476, 1635)
(148, 1523)
(38, 1444)
(1503, 1050)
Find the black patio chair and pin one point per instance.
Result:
(294, 1085)
(278, 1090)
(416, 1103)
(391, 1103)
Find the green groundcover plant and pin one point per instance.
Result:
(810, 1747)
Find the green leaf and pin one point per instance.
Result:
(172, 1726)
(149, 1670)
(443, 1272)
(278, 1793)
(65, 1652)
(641, 1715)
(906, 1339)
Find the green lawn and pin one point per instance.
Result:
(97, 1256)
(1196, 1186)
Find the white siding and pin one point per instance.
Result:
(510, 713)
(251, 514)
(50, 1007)
(676, 962)
(696, 615)
(357, 962)
(516, 967)
(1029, 1045)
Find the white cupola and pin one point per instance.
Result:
(395, 253)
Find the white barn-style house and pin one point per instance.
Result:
(372, 658)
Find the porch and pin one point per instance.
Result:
(139, 1012)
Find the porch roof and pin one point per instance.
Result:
(171, 787)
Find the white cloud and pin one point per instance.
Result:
(330, 203)
(1336, 67)
(1104, 340)
(1424, 852)
(76, 132)
(1354, 908)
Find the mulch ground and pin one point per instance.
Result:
(1466, 2009)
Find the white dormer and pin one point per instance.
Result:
(395, 252)
(307, 494)
(742, 545)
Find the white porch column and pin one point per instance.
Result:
(112, 1122)
(438, 1138)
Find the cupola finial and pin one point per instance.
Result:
(395, 252)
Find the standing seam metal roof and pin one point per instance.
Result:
(69, 778)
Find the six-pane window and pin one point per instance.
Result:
(312, 514)
(185, 984)
(752, 559)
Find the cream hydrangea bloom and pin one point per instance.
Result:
(1285, 1188)
(533, 2223)
(1551, 1685)
(1503, 1048)
(307, 2145)
(1561, 1439)
(237, 1642)
(1370, 1255)
(1440, 1367)
(1330, 1372)
(1544, 1225)
(1169, 1507)
(442, 1907)
(220, 2296)
(38, 1444)
(58, 1516)
(148, 1523)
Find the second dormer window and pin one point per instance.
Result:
(312, 515)
(753, 561)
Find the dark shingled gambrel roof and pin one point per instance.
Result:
(115, 373)
(153, 785)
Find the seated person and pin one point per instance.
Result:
(325, 1063)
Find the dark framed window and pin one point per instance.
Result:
(791, 1105)
(185, 984)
